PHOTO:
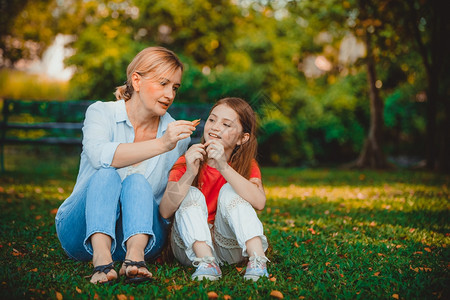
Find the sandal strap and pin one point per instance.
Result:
(102, 268)
(139, 264)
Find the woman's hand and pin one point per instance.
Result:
(176, 131)
(216, 155)
(194, 155)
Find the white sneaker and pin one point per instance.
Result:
(256, 268)
(206, 268)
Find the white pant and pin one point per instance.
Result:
(236, 222)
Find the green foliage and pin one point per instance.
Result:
(332, 234)
(251, 49)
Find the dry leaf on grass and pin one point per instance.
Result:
(276, 294)
(59, 296)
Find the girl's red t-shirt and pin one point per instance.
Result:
(211, 182)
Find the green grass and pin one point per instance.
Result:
(332, 233)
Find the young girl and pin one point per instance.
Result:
(213, 190)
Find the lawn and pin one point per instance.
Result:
(333, 234)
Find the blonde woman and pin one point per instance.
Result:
(129, 147)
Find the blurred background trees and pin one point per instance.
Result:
(332, 81)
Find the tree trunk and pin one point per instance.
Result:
(372, 153)
(435, 59)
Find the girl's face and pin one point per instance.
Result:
(157, 94)
(223, 125)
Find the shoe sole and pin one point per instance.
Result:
(208, 277)
(252, 277)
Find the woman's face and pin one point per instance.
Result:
(157, 94)
(223, 125)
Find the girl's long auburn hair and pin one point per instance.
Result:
(243, 155)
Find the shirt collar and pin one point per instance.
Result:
(121, 113)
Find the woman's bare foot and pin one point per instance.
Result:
(134, 269)
(101, 245)
(102, 277)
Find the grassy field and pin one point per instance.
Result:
(332, 233)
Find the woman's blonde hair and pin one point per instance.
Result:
(153, 61)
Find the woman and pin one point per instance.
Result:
(129, 147)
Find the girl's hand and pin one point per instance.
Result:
(194, 155)
(216, 155)
(176, 131)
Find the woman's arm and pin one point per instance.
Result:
(176, 191)
(131, 153)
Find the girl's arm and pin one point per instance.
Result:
(131, 153)
(176, 191)
(249, 189)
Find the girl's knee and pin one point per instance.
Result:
(229, 199)
(194, 197)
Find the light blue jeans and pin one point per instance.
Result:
(118, 209)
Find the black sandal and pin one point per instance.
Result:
(135, 279)
(105, 269)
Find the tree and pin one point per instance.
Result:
(428, 21)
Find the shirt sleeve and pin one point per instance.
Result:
(178, 169)
(255, 172)
(98, 136)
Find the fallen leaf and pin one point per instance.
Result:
(296, 245)
(427, 249)
(376, 274)
(60, 190)
(78, 290)
(239, 269)
(412, 230)
(418, 252)
(38, 217)
(227, 297)
(395, 296)
(96, 296)
(212, 295)
(174, 287)
(381, 254)
(414, 269)
(59, 296)
(273, 279)
(121, 297)
(54, 211)
(373, 224)
(276, 294)
(33, 270)
(327, 263)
